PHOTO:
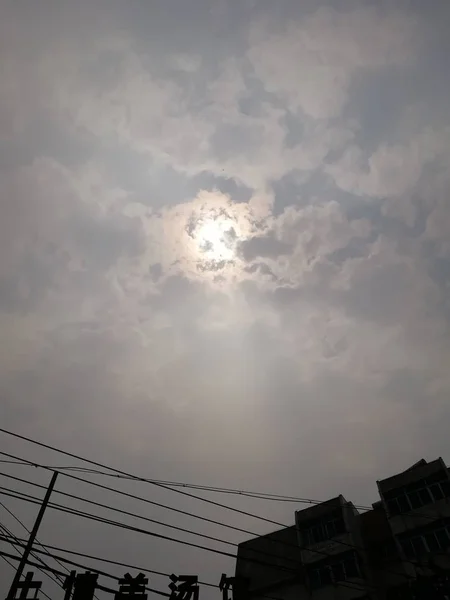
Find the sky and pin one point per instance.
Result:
(224, 252)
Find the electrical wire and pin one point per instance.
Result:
(137, 516)
(272, 522)
(26, 529)
(9, 532)
(141, 569)
(139, 530)
(147, 501)
(270, 555)
(96, 518)
(255, 551)
(153, 482)
(351, 546)
(14, 568)
(137, 478)
(255, 535)
(177, 510)
(69, 510)
(53, 578)
(123, 475)
(80, 566)
(37, 542)
(9, 562)
(206, 488)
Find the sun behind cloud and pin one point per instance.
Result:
(216, 238)
(202, 238)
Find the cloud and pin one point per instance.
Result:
(392, 170)
(438, 224)
(186, 63)
(219, 253)
(310, 62)
(262, 247)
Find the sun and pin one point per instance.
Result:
(215, 238)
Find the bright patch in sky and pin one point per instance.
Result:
(215, 238)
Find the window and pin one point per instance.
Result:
(436, 491)
(431, 541)
(403, 505)
(320, 577)
(418, 546)
(331, 529)
(339, 569)
(418, 494)
(325, 529)
(443, 538)
(351, 567)
(445, 486)
(414, 500)
(425, 496)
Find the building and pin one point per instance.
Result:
(398, 550)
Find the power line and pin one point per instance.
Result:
(81, 513)
(206, 488)
(207, 500)
(80, 566)
(268, 554)
(271, 555)
(177, 510)
(37, 541)
(123, 475)
(9, 562)
(158, 484)
(137, 516)
(147, 501)
(113, 562)
(9, 532)
(144, 569)
(54, 578)
(125, 565)
(296, 546)
(26, 528)
(14, 568)
(136, 477)
(37, 465)
(70, 510)
(96, 518)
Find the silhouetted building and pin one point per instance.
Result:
(398, 550)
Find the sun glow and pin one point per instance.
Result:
(216, 237)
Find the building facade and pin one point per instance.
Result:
(398, 550)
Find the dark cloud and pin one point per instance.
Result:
(289, 190)
(260, 267)
(44, 137)
(237, 192)
(263, 247)
(233, 141)
(357, 248)
(155, 271)
(295, 130)
(104, 241)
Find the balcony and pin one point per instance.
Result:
(326, 529)
(416, 497)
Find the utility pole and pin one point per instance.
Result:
(33, 534)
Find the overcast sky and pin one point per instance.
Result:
(224, 250)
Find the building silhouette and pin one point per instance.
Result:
(398, 550)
